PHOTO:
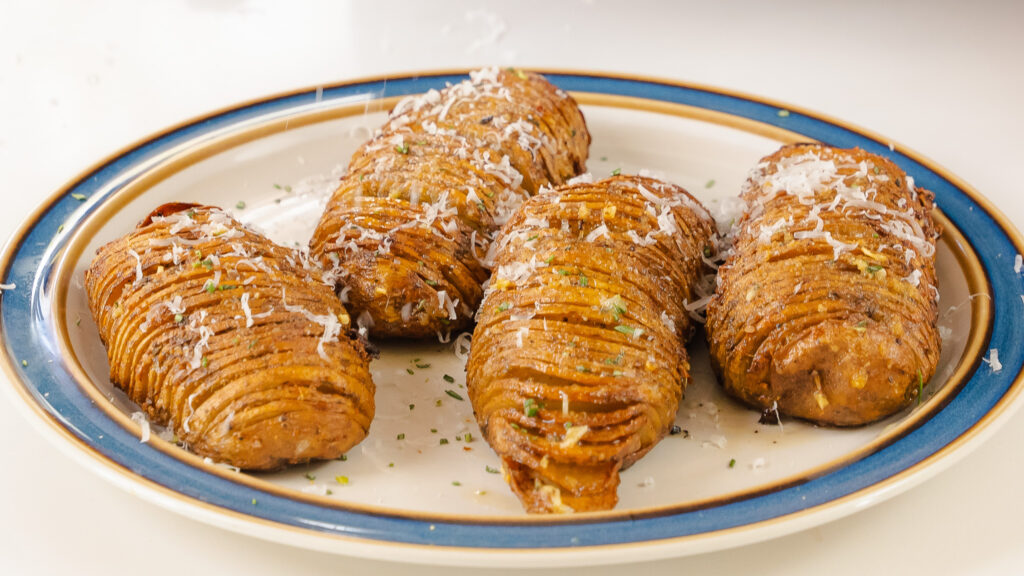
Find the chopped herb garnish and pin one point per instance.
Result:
(490, 470)
(448, 379)
(583, 280)
(443, 441)
(206, 362)
(615, 360)
(783, 113)
(707, 251)
(549, 259)
(437, 403)
(391, 464)
(617, 171)
(410, 371)
(875, 168)
(401, 436)
(431, 282)
(624, 329)
(732, 463)
(872, 268)
(24, 362)
(458, 438)
(310, 477)
(433, 430)
(178, 318)
(422, 366)
(253, 501)
(343, 457)
(252, 344)
(240, 205)
(563, 272)
(503, 306)
(617, 373)
(278, 186)
(403, 149)
(453, 394)
(582, 368)
(709, 183)
(343, 480)
(79, 197)
(469, 437)
(530, 407)
(861, 326)
(456, 483)
(533, 237)
(210, 287)
(191, 214)
(412, 406)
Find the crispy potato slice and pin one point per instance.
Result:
(233, 341)
(578, 360)
(409, 228)
(826, 308)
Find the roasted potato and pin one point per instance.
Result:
(231, 340)
(826, 307)
(578, 360)
(409, 229)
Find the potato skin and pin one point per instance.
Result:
(233, 341)
(838, 329)
(409, 228)
(578, 360)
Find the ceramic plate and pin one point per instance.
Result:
(422, 487)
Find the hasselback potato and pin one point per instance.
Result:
(578, 360)
(826, 307)
(233, 341)
(409, 228)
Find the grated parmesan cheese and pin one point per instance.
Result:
(140, 419)
(993, 360)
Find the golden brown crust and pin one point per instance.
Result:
(409, 228)
(586, 307)
(827, 306)
(230, 339)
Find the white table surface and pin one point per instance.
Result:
(79, 80)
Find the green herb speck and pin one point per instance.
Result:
(448, 379)
(453, 394)
(240, 205)
(624, 329)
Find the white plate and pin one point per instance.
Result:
(419, 499)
